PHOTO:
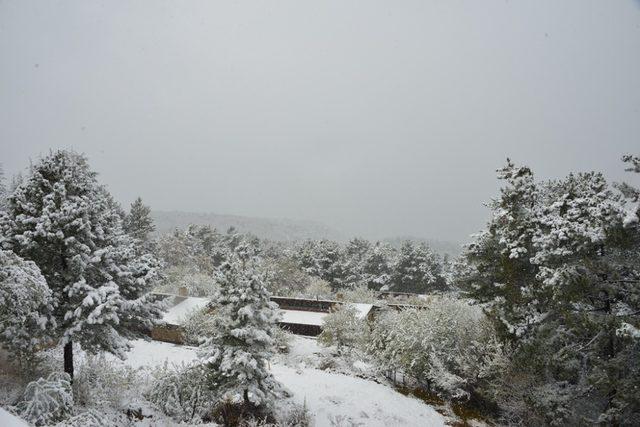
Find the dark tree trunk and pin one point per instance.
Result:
(247, 402)
(68, 359)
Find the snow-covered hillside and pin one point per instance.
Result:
(333, 399)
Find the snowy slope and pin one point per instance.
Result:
(334, 399)
(8, 420)
(337, 399)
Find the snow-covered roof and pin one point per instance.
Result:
(179, 312)
(363, 309)
(303, 317)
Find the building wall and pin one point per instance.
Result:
(298, 329)
(321, 306)
(168, 333)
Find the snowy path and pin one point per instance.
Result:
(334, 399)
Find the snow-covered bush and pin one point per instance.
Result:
(282, 340)
(286, 278)
(25, 305)
(47, 401)
(100, 382)
(449, 346)
(317, 289)
(359, 294)
(93, 418)
(183, 392)
(341, 327)
(295, 416)
(187, 277)
(197, 326)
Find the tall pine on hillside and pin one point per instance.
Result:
(238, 352)
(69, 226)
(138, 222)
(417, 269)
(557, 269)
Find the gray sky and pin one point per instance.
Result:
(375, 117)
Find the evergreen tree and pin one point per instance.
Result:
(69, 226)
(416, 269)
(237, 353)
(377, 266)
(323, 259)
(25, 306)
(138, 223)
(355, 255)
(3, 189)
(502, 272)
(557, 270)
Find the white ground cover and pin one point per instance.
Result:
(177, 314)
(8, 420)
(333, 399)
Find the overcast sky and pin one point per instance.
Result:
(378, 118)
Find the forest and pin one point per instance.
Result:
(537, 322)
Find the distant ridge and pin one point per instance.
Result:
(442, 247)
(284, 230)
(264, 228)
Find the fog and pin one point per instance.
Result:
(376, 118)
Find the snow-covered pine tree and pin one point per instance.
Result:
(377, 266)
(557, 268)
(3, 189)
(416, 269)
(138, 223)
(69, 226)
(356, 252)
(323, 259)
(631, 194)
(500, 273)
(25, 306)
(236, 355)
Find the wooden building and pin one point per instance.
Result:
(300, 316)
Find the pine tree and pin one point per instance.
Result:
(417, 269)
(3, 189)
(25, 306)
(238, 351)
(69, 226)
(501, 273)
(355, 255)
(377, 266)
(557, 270)
(323, 259)
(138, 222)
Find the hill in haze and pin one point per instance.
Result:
(264, 228)
(279, 229)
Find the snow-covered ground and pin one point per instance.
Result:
(8, 420)
(334, 399)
